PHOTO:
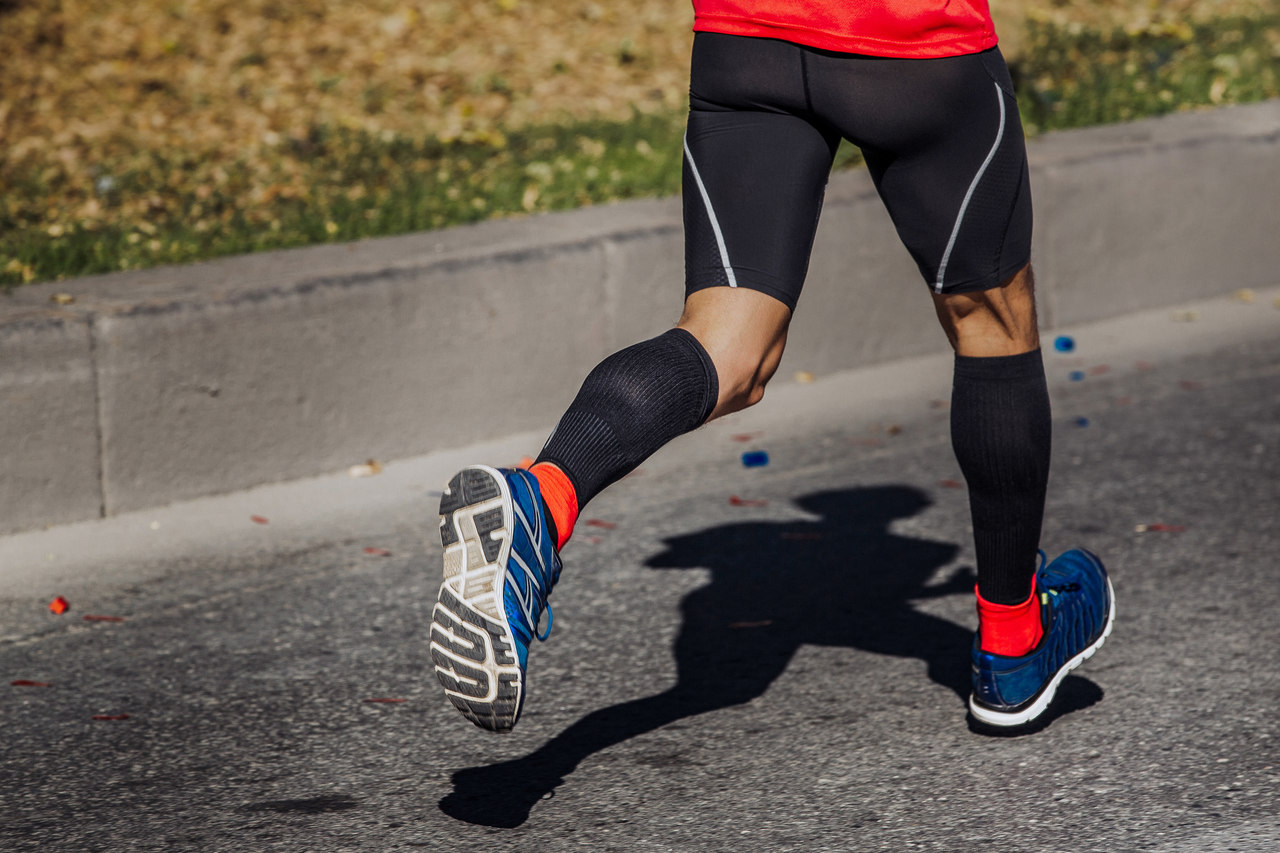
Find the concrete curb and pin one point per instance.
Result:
(179, 382)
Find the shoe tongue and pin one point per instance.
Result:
(551, 528)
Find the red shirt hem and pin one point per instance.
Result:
(941, 43)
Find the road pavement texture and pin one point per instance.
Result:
(768, 658)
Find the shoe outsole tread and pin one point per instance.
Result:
(472, 646)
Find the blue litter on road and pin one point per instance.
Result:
(1077, 376)
(1064, 343)
(1082, 422)
(755, 459)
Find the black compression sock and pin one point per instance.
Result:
(630, 405)
(1000, 430)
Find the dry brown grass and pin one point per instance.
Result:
(86, 81)
(91, 89)
(90, 81)
(1133, 15)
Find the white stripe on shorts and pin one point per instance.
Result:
(711, 213)
(964, 206)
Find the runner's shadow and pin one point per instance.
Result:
(842, 580)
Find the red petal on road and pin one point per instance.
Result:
(111, 716)
(386, 700)
(90, 617)
(22, 682)
(59, 606)
(951, 484)
(1166, 528)
(734, 500)
(1190, 384)
(746, 436)
(601, 523)
(1099, 369)
(377, 552)
(258, 519)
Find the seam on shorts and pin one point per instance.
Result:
(804, 80)
(968, 196)
(711, 214)
(1013, 207)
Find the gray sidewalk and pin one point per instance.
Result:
(174, 383)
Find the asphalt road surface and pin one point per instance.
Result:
(787, 671)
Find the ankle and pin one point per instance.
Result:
(1010, 630)
(558, 498)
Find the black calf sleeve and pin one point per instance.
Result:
(1000, 431)
(630, 405)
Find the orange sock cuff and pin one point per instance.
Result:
(560, 498)
(1011, 630)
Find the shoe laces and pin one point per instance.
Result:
(1054, 588)
(542, 638)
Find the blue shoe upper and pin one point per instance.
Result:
(533, 567)
(1075, 603)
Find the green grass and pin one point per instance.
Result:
(344, 185)
(354, 185)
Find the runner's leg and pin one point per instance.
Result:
(1001, 433)
(944, 145)
(754, 178)
(755, 169)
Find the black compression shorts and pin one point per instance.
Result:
(941, 139)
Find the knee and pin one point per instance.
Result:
(743, 332)
(742, 379)
(742, 374)
(999, 321)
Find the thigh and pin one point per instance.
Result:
(943, 142)
(755, 169)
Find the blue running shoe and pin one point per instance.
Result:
(500, 563)
(1077, 608)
